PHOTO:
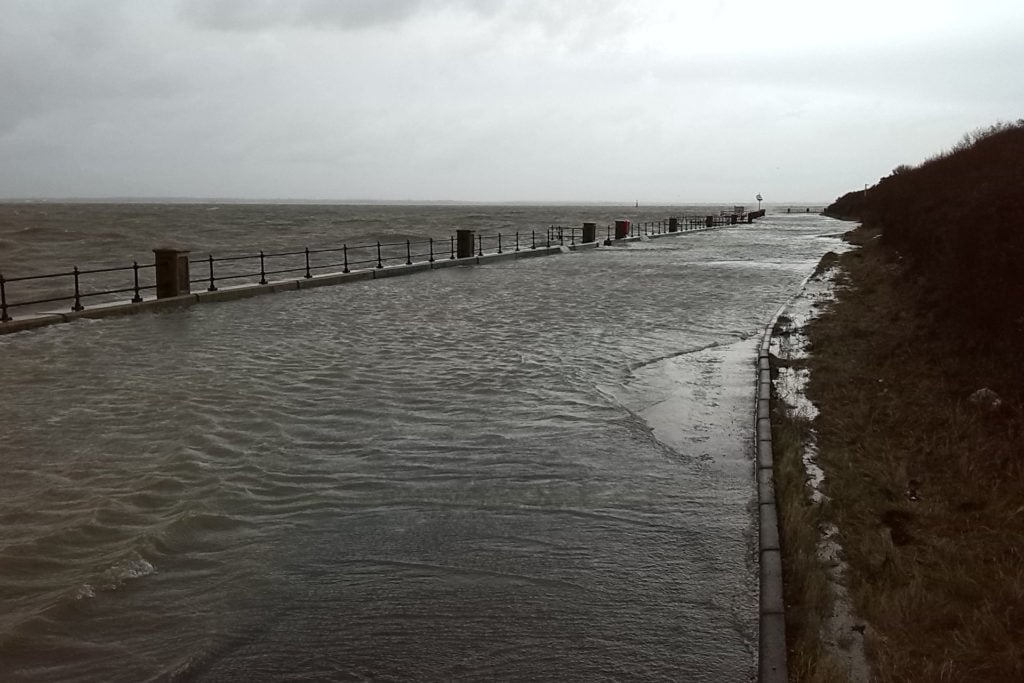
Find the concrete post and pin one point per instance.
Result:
(172, 278)
(673, 225)
(465, 243)
(621, 229)
(589, 232)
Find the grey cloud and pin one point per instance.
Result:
(552, 16)
(488, 99)
(251, 15)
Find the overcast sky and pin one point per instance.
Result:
(493, 100)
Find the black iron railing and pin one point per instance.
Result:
(68, 287)
(107, 284)
(34, 291)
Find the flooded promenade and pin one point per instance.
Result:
(533, 469)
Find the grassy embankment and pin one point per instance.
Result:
(926, 486)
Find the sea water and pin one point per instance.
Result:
(536, 469)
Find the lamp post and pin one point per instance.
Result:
(759, 201)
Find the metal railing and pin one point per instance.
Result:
(55, 287)
(259, 267)
(107, 283)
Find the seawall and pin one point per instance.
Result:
(328, 279)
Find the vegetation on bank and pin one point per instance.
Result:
(958, 218)
(925, 475)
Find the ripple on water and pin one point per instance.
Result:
(448, 475)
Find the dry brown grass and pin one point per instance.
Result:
(925, 486)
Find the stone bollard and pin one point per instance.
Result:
(589, 232)
(465, 243)
(172, 278)
(621, 229)
(673, 225)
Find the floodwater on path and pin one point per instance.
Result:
(538, 469)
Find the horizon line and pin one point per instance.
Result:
(359, 202)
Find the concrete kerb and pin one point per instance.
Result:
(539, 251)
(26, 324)
(395, 271)
(445, 263)
(331, 279)
(772, 647)
(772, 666)
(114, 310)
(765, 461)
(495, 258)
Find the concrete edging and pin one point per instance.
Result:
(772, 665)
(233, 293)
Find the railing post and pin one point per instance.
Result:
(533, 239)
(344, 253)
(408, 254)
(499, 242)
(137, 299)
(380, 263)
(561, 237)
(480, 242)
(172, 278)
(78, 296)
(431, 249)
(309, 275)
(4, 317)
(517, 240)
(263, 270)
(212, 287)
(452, 238)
